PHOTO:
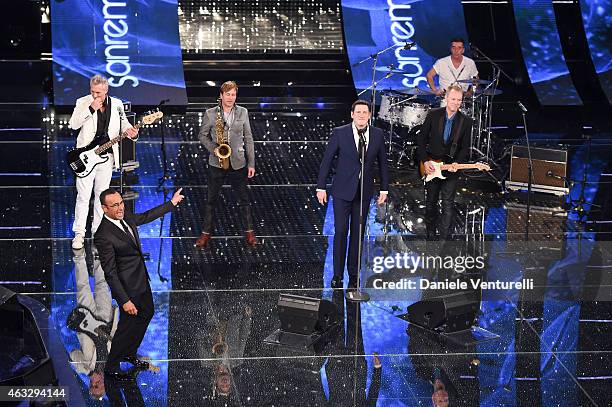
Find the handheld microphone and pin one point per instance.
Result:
(523, 108)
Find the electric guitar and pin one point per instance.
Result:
(440, 166)
(83, 160)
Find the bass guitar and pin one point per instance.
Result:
(83, 160)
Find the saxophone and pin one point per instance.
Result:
(223, 151)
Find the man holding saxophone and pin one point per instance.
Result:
(226, 134)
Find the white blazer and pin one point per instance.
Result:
(88, 123)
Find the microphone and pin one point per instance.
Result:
(120, 112)
(523, 108)
(551, 174)
(409, 45)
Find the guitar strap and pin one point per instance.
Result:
(456, 134)
(104, 119)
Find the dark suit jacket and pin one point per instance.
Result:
(121, 258)
(346, 181)
(431, 137)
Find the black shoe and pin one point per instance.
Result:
(137, 363)
(337, 282)
(119, 376)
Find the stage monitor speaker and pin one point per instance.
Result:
(549, 170)
(304, 315)
(447, 313)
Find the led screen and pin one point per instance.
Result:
(597, 22)
(373, 25)
(135, 44)
(541, 46)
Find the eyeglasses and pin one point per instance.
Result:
(115, 205)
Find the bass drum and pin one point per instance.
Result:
(387, 113)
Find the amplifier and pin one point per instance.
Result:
(128, 148)
(549, 170)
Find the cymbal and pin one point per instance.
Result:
(475, 81)
(393, 92)
(390, 69)
(490, 92)
(418, 91)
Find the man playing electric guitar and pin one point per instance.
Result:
(96, 115)
(445, 135)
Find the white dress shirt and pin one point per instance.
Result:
(117, 223)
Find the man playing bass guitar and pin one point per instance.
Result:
(96, 115)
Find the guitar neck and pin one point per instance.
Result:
(459, 166)
(114, 141)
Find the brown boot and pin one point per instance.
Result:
(202, 240)
(251, 239)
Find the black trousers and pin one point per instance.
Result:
(238, 180)
(346, 214)
(442, 190)
(131, 330)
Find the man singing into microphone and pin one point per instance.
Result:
(96, 115)
(345, 143)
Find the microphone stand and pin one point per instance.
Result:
(489, 60)
(162, 187)
(165, 176)
(120, 152)
(358, 295)
(374, 83)
(529, 170)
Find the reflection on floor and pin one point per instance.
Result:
(215, 307)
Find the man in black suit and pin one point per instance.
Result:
(445, 135)
(345, 143)
(121, 257)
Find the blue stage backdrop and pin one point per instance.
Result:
(597, 21)
(135, 44)
(373, 25)
(541, 46)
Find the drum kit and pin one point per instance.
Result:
(406, 111)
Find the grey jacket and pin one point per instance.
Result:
(240, 138)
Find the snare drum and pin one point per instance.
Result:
(413, 114)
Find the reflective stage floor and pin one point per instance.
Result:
(216, 307)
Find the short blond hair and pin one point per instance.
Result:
(455, 87)
(98, 80)
(229, 85)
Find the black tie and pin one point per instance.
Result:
(127, 230)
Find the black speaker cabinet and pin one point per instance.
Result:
(304, 315)
(549, 169)
(447, 313)
(128, 147)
